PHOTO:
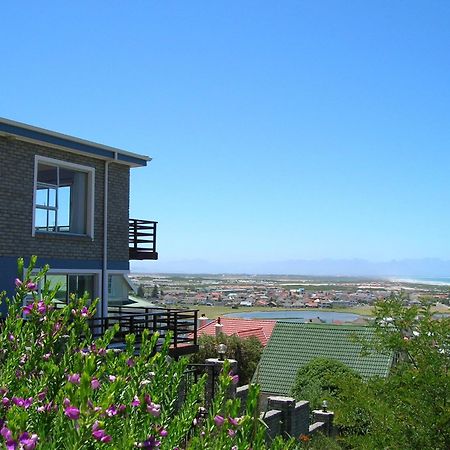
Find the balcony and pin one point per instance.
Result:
(182, 323)
(142, 239)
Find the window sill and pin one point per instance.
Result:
(61, 235)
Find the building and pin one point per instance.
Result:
(66, 200)
(293, 344)
(243, 328)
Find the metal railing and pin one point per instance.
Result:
(142, 239)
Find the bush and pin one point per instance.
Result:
(60, 389)
(321, 379)
(247, 352)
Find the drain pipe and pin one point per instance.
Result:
(104, 304)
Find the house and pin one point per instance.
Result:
(66, 200)
(243, 328)
(294, 344)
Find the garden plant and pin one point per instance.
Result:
(61, 389)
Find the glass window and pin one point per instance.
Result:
(71, 284)
(63, 196)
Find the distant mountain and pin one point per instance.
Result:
(411, 268)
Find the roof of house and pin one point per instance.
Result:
(261, 329)
(41, 136)
(294, 344)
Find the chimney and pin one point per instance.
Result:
(218, 327)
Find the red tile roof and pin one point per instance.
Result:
(261, 329)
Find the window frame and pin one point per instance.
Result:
(90, 208)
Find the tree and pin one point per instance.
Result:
(321, 379)
(410, 408)
(155, 292)
(141, 291)
(247, 353)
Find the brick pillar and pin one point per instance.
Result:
(215, 366)
(286, 405)
(327, 418)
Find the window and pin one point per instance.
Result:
(63, 197)
(71, 284)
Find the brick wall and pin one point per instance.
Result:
(16, 207)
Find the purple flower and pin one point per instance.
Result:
(46, 357)
(74, 378)
(17, 282)
(163, 433)
(219, 420)
(84, 312)
(112, 378)
(6, 402)
(28, 309)
(235, 379)
(42, 395)
(150, 443)
(31, 286)
(41, 307)
(231, 433)
(72, 413)
(136, 401)
(11, 337)
(28, 442)
(99, 434)
(22, 402)
(111, 411)
(95, 384)
(130, 362)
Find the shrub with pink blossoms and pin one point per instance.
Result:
(61, 389)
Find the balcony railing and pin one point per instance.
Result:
(142, 239)
(181, 323)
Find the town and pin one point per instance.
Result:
(244, 291)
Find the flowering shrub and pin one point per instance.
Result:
(60, 389)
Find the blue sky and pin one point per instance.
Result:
(279, 130)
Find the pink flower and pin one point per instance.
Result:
(95, 384)
(74, 378)
(17, 282)
(219, 420)
(135, 401)
(31, 286)
(28, 309)
(154, 409)
(233, 421)
(111, 411)
(41, 307)
(235, 379)
(72, 413)
(163, 433)
(22, 402)
(100, 434)
(231, 433)
(112, 378)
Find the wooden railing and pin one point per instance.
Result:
(142, 239)
(181, 323)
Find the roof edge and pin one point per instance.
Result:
(69, 143)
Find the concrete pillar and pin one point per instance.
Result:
(215, 367)
(327, 418)
(286, 405)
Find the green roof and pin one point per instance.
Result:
(294, 344)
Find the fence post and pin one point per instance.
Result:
(327, 418)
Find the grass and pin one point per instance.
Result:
(212, 312)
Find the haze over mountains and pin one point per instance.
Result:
(408, 268)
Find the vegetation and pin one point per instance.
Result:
(410, 408)
(60, 389)
(322, 379)
(247, 352)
